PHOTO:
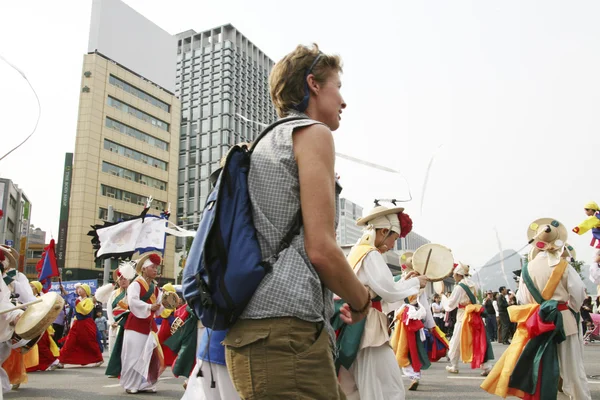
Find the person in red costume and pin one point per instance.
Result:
(82, 345)
(164, 332)
(142, 360)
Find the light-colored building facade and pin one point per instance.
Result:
(16, 219)
(347, 231)
(127, 141)
(222, 81)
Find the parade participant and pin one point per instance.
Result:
(292, 175)
(186, 332)
(592, 222)
(548, 343)
(117, 302)
(141, 357)
(595, 269)
(16, 362)
(469, 341)
(164, 332)
(210, 379)
(82, 345)
(503, 313)
(373, 373)
(46, 347)
(415, 328)
(118, 311)
(7, 321)
(15, 280)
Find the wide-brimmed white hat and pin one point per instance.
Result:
(547, 234)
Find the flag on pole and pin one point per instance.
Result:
(47, 266)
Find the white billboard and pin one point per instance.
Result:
(120, 33)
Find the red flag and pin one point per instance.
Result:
(47, 266)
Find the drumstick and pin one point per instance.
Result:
(427, 262)
(24, 305)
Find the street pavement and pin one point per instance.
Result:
(88, 383)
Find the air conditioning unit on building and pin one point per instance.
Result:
(143, 183)
(127, 199)
(87, 74)
(141, 203)
(111, 195)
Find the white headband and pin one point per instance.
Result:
(147, 263)
(462, 269)
(389, 221)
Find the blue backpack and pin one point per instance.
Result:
(225, 265)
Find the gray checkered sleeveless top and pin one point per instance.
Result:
(293, 288)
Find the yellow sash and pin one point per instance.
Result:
(497, 381)
(357, 254)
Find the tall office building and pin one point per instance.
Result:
(222, 81)
(16, 218)
(127, 143)
(347, 231)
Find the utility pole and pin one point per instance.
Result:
(108, 261)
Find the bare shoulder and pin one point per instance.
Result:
(313, 137)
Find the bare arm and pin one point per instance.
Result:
(315, 155)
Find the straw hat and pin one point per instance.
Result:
(376, 212)
(547, 241)
(11, 256)
(569, 251)
(153, 257)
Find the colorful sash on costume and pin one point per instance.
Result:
(114, 362)
(183, 342)
(349, 336)
(475, 345)
(436, 343)
(407, 344)
(533, 348)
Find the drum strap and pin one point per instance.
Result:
(472, 297)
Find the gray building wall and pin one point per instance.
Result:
(222, 81)
(347, 231)
(13, 225)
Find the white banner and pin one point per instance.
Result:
(130, 236)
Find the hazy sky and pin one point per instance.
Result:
(511, 90)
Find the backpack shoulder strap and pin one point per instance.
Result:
(271, 127)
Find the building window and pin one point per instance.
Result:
(136, 155)
(10, 225)
(137, 113)
(139, 93)
(129, 131)
(117, 215)
(133, 176)
(12, 202)
(130, 197)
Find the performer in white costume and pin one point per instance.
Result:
(463, 298)
(141, 358)
(117, 302)
(374, 374)
(7, 322)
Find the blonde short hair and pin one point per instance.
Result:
(288, 75)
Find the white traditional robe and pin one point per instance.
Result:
(375, 374)
(137, 347)
(460, 298)
(112, 332)
(6, 332)
(595, 273)
(570, 290)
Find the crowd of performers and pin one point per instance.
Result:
(296, 338)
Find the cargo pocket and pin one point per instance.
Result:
(246, 357)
